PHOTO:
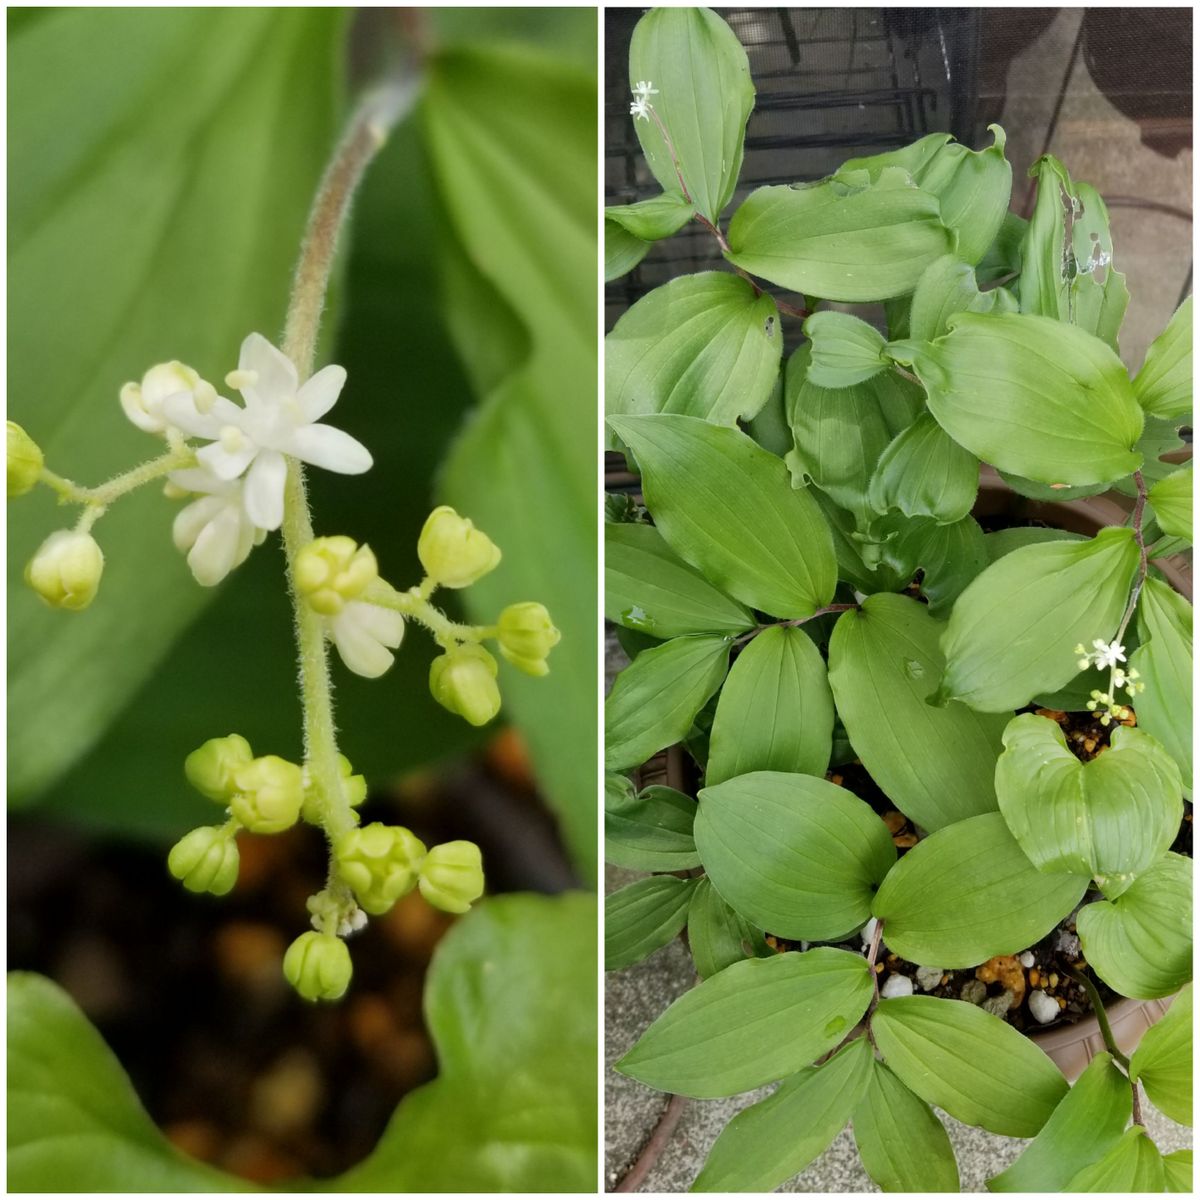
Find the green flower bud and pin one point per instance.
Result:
(526, 636)
(330, 571)
(24, 461)
(464, 681)
(453, 552)
(318, 966)
(354, 788)
(379, 863)
(211, 768)
(452, 876)
(270, 793)
(205, 860)
(66, 570)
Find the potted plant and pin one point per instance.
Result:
(941, 744)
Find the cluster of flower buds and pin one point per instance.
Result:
(1106, 656)
(373, 865)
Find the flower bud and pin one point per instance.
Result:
(24, 461)
(66, 570)
(211, 768)
(318, 966)
(270, 792)
(143, 402)
(379, 863)
(452, 876)
(464, 681)
(354, 788)
(205, 860)
(453, 552)
(526, 636)
(329, 571)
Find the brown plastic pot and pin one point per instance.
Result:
(1071, 1047)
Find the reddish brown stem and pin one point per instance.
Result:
(655, 1145)
(829, 608)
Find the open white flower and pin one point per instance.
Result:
(214, 531)
(279, 418)
(644, 89)
(640, 108)
(365, 636)
(1108, 654)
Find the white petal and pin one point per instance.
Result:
(181, 411)
(358, 649)
(320, 393)
(277, 380)
(197, 479)
(190, 521)
(324, 446)
(222, 463)
(262, 493)
(215, 553)
(383, 624)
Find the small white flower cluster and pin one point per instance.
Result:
(241, 474)
(640, 105)
(1106, 656)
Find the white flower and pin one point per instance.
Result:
(143, 402)
(1108, 654)
(644, 89)
(279, 418)
(640, 108)
(215, 531)
(365, 636)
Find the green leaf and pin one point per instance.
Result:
(703, 345)
(1177, 1168)
(1172, 501)
(950, 555)
(726, 506)
(75, 1123)
(650, 830)
(1164, 384)
(923, 472)
(935, 764)
(845, 350)
(647, 587)
(518, 127)
(1086, 1123)
(753, 1023)
(1003, 258)
(1032, 396)
(797, 856)
(947, 287)
(1111, 817)
(1055, 493)
(1005, 541)
(511, 1005)
(1141, 943)
(841, 432)
(704, 97)
(968, 893)
(656, 698)
(1132, 1165)
(769, 1142)
(644, 917)
(973, 186)
(968, 1062)
(902, 1144)
(622, 251)
(1066, 259)
(718, 937)
(1013, 631)
(654, 219)
(121, 223)
(1164, 660)
(1163, 1060)
(775, 712)
(844, 238)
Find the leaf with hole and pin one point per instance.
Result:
(726, 506)
(752, 1023)
(973, 1065)
(797, 856)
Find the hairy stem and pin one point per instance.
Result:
(415, 604)
(104, 495)
(365, 134)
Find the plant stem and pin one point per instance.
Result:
(365, 134)
(70, 492)
(415, 604)
(829, 608)
(1097, 1004)
(1139, 510)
